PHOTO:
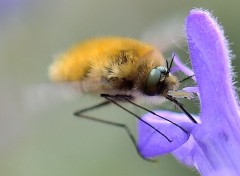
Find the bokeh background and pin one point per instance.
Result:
(47, 140)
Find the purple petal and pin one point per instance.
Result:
(152, 144)
(217, 138)
(191, 89)
(184, 153)
(210, 61)
(179, 66)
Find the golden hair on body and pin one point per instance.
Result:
(115, 66)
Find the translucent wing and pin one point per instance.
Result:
(166, 34)
(38, 97)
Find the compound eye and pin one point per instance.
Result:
(155, 76)
(163, 71)
(152, 81)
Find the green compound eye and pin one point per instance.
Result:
(155, 76)
(163, 70)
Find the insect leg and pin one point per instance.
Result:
(121, 125)
(186, 78)
(78, 113)
(125, 98)
(182, 108)
(111, 97)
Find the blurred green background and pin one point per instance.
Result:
(49, 140)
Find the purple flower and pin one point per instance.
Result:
(213, 145)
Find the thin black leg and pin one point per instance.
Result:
(153, 113)
(121, 125)
(186, 78)
(111, 97)
(182, 108)
(104, 103)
